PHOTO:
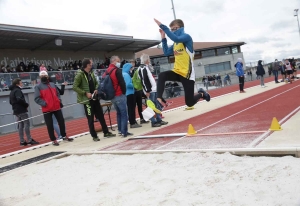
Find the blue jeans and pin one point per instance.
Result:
(153, 98)
(55, 125)
(120, 104)
(275, 72)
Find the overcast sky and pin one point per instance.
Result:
(267, 26)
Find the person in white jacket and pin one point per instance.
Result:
(149, 88)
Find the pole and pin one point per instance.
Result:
(296, 14)
(173, 9)
(298, 24)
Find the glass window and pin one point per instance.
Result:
(223, 51)
(234, 49)
(208, 53)
(160, 60)
(216, 68)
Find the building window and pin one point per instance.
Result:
(216, 68)
(160, 60)
(208, 53)
(223, 51)
(234, 50)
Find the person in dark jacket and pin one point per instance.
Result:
(47, 96)
(19, 106)
(260, 73)
(120, 100)
(61, 91)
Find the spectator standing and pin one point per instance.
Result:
(276, 67)
(131, 101)
(260, 73)
(19, 106)
(85, 84)
(149, 88)
(240, 73)
(47, 96)
(120, 100)
(138, 96)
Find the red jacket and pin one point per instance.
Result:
(117, 79)
(47, 96)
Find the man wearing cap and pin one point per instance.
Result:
(47, 96)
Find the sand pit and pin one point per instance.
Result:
(155, 179)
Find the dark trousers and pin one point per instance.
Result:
(139, 102)
(49, 122)
(241, 83)
(94, 109)
(275, 72)
(188, 86)
(131, 108)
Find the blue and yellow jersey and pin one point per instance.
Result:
(183, 61)
(183, 51)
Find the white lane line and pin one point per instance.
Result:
(230, 116)
(262, 137)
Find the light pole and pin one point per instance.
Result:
(174, 9)
(296, 14)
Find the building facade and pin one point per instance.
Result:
(210, 57)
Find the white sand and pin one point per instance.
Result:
(157, 179)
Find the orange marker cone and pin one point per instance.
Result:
(191, 130)
(275, 126)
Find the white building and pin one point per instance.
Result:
(210, 57)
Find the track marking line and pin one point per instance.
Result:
(230, 116)
(262, 137)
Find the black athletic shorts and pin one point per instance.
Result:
(288, 72)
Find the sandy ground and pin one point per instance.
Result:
(155, 179)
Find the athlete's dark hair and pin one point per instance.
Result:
(179, 22)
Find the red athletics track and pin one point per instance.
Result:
(251, 114)
(10, 142)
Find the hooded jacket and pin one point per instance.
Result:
(239, 68)
(183, 51)
(17, 100)
(260, 69)
(47, 96)
(127, 78)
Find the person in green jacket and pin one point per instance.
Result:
(85, 84)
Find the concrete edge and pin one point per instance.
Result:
(294, 151)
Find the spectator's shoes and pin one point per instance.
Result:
(23, 144)
(32, 142)
(142, 121)
(109, 134)
(55, 143)
(59, 138)
(205, 95)
(136, 125)
(96, 139)
(68, 139)
(156, 124)
(128, 134)
(163, 123)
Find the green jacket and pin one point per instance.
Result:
(81, 86)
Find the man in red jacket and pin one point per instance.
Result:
(46, 95)
(120, 100)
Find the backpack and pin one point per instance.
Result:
(106, 89)
(136, 81)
